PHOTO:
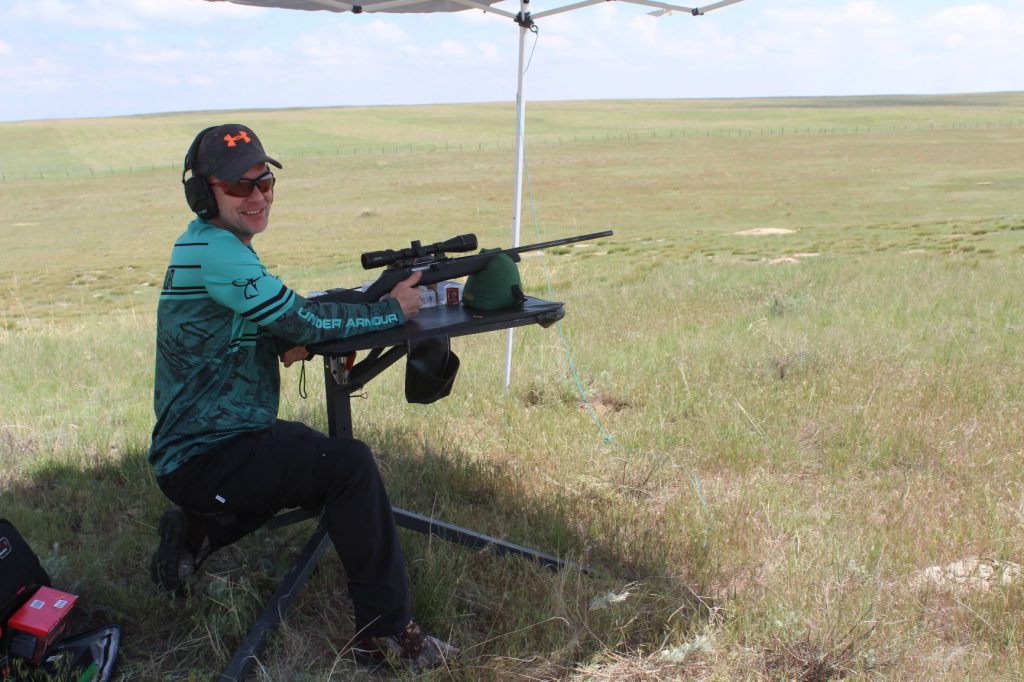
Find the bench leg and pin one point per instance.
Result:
(247, 654)
(275, 609)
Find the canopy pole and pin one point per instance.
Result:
(525, 23)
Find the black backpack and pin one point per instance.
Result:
(89, 656)
(20, 572)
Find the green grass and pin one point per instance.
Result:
(761, 443)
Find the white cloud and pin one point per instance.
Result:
(88, 15)
(387, 32)
(127, 15)
(978, 25)
(201, 80)
(343, 52)
(487, 51)
(135, 50)
(784, 47)
(453, 48)
(35, 76)
(859, 14)
(187, 11)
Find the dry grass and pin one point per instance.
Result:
(782, 466)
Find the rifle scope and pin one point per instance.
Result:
(377, 259)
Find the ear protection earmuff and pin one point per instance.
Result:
(197, 191)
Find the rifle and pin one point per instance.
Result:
(434, 264)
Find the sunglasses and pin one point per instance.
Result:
(243, 188)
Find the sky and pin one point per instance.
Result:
(97, 58)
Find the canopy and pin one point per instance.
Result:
(424, 6)
(369, 5)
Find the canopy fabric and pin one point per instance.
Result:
(407, 6)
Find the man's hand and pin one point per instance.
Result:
(408, 295)
(295, 354)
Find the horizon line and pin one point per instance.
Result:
(509, 102)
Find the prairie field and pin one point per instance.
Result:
(781, 419)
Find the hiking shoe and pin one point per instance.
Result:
(410, 648)
(174, 560)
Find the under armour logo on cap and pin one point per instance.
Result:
(232, 139)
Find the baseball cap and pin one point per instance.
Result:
(430, 369)
(228, 151)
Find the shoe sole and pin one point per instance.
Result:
(371, 662)
(164, 566)
(398, 664)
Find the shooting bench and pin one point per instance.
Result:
(342, 381)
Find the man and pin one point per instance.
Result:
(218, 449)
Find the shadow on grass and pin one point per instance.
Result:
(515, 616)
(94, 527)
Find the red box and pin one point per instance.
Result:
(452, 292)
(39, 622)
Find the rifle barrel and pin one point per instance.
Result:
(559, 242)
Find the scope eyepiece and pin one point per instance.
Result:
(378, 259)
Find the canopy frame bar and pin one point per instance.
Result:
(337, 5)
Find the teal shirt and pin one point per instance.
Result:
(217, 371)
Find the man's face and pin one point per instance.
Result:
(244, 216)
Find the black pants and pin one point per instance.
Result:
(292, 465)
